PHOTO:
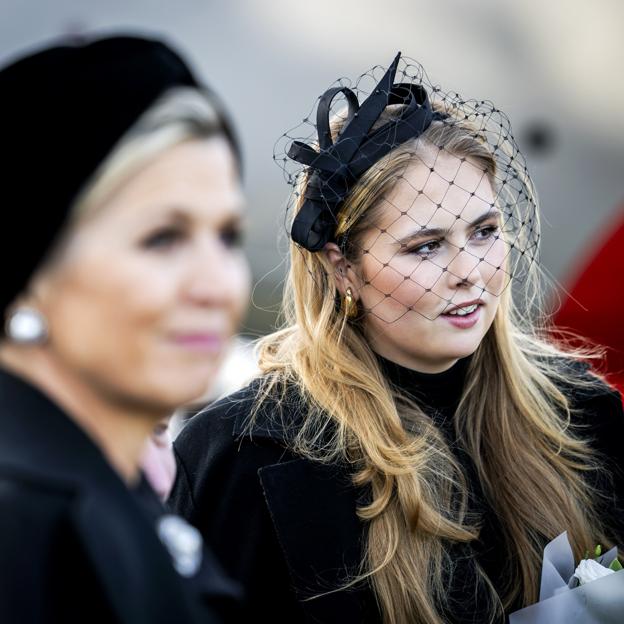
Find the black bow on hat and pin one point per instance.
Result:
(338, 164)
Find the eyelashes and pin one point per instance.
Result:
(170, 237)
(486, 232)
(232, 236)
(427, 250)
(163, 238)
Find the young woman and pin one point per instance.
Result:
(123, 281)
(413, 442)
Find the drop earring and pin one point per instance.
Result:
(349, 304)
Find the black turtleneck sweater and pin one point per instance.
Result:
(286, 527)
(439, 395)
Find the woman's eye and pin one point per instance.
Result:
(163, 238)
(232, 236)
(426, 250)
(485, 233)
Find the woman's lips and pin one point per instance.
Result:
(207, 343)
(463, 322)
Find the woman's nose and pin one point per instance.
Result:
(463, 268)
(216, 275)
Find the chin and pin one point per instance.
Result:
(169, 400)
(464, 350)
(176, 390)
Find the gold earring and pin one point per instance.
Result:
(349, 304)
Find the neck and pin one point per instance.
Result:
(118, 428)
(441, 392)
(419, 365)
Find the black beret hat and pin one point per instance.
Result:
(62, 110)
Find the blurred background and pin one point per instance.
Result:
(554, 67)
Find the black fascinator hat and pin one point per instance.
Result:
(336, 165)
(358, 124)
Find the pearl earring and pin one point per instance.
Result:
(26, 326)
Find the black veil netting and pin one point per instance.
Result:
(454, 205)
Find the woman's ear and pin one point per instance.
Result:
(344, 275)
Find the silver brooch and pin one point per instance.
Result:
(184, 543)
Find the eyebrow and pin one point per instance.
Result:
(441, 232)
(182, 215)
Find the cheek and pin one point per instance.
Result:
(231, 284)
(134, 296)
(241, 281)
(100, 309)
(494, 268)
(402, 286)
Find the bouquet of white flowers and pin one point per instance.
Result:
(593, 593)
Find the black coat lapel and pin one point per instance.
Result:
(313, 508)
(115, 532)
(122, 545)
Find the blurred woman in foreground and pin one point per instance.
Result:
(122, 286)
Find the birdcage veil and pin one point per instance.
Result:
(450, 187)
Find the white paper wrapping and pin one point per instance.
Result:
(562, 601)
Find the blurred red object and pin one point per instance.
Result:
(594, 308)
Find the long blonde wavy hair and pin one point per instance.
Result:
(513, 420)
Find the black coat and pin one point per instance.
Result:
(76, 545)
(285, 526)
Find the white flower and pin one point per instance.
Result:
(590, 570)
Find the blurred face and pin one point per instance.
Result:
(433, 269)
(148, 288)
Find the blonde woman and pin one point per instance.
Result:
(413, 442)
(123, 281)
